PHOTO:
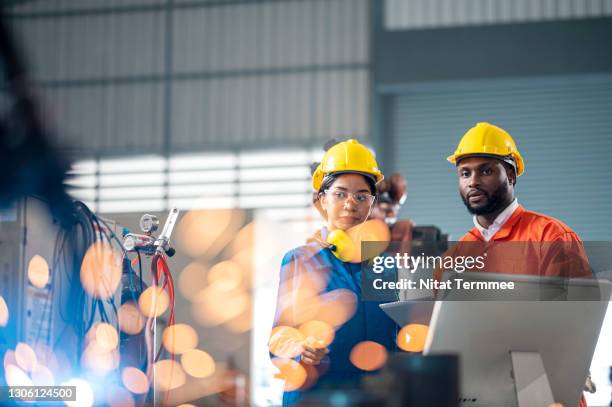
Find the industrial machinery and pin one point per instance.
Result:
(61, 283)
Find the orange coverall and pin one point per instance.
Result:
(561, 252)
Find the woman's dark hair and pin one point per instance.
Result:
(329, 179)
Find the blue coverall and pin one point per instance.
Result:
(369, 323)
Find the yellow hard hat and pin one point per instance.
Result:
(347, 157)
(488, 140)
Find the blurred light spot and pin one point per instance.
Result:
(99, 360)
(84, 393)
(38, 271)
(131, 320)
(4, 312)
(312, 375)
(153, 301)
(135, 380)
(244, 238)
(119, 397)
(298, 306)
(245, 259)
(9, 358)
(101, 270)
(212, 307)
(179, 338)
(25, 357)
(42, 376)
(206, 231)
(242, 323)
(286, 342)
(45, 355)
(107, 337)
(299, 299)
(373, 230)
(411, 338)
(14, 376)
(168, 375)
(368, 355)
(556, 405)
(291, 372)
(186, 405)
(226, 275)
(336, 307)
(317, 334)
(198, 363)
(192, 279)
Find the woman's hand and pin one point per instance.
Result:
(313, 356)
(313, 351)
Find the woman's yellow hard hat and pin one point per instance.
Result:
(488, 140)
(347, 157)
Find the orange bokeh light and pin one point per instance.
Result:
(286, 342)
(179, 338)
(131, 321)
(135, 380)
(153, 301)
(368, 355)
(206, 232)
(107, 336)
(99, 360)
(4, 312)
(192, 279)
(373, 230)
(198, 363)
(336, 307)
(101, 270)
(38, 271)
(317, 334)
(226, 275)
(291, 372)
(411, 338)
(169, 375)
(212, 307)
(242, 323)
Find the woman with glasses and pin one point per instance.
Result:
(313, 276)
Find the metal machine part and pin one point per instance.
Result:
(149, 223)
(147, 243)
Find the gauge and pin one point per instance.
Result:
(149, 223)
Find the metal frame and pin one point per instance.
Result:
(168, 77)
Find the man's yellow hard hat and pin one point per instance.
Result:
(488, 140)
(347, 157)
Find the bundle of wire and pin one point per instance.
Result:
(160, 271)
(80, 310)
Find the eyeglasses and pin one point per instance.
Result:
(340, 196)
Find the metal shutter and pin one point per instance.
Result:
(563, 128)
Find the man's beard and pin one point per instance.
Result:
(495, 201)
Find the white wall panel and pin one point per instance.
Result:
(415, 14)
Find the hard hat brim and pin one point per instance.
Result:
(507, 159)
(373, 177)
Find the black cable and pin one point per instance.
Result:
(140, 270)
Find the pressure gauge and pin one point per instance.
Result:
(149, 223)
